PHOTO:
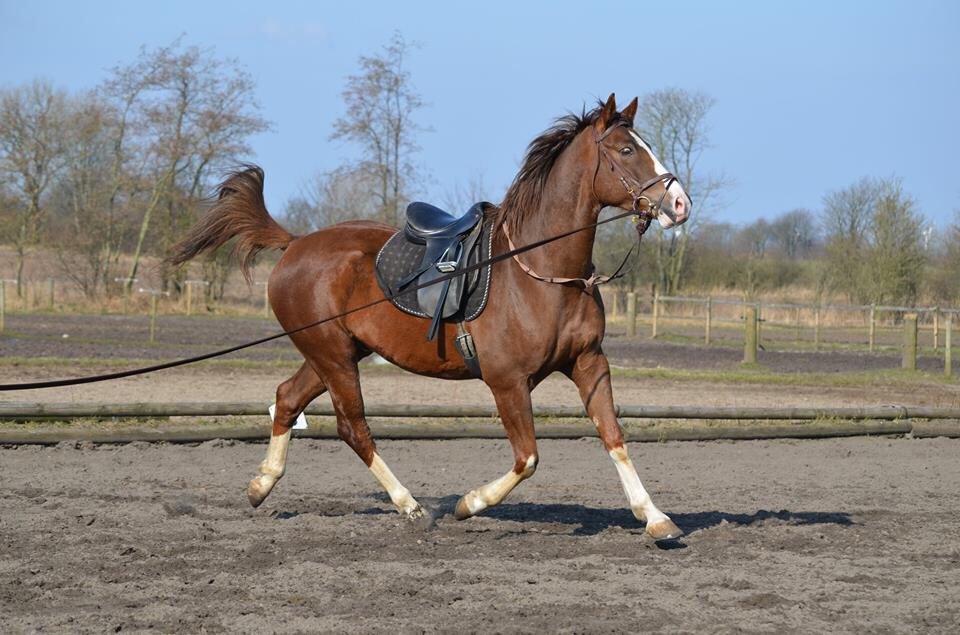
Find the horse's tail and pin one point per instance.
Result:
(238, 212)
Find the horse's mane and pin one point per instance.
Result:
(523, 196)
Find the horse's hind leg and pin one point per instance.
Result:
(293, 396)
(344, 385)
(514, 406)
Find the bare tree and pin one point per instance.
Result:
(795, 233)
(945, 282)
(463, 195)
(31, 153)
(381, 104)
(874, 250)
(896, 258)
(674, 122)
(194, 114)
(845, 218)
(332, 197)
(88, 232)
(755, 237)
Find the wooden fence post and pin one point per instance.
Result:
(709, 324)
(872, 339)
(154, 294)
(266, 300)
(631, 314)
(750, 334)
(656, 312)
(153, 317)
(816, 328)
(614, 304)
(759, 320)
(50, 284)
(797, 319)
(189, 297)
(936, 328)
(909, 342)
(3, 304)
(948, 346)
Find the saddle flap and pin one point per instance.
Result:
(457, 256)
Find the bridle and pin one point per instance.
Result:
(630, 183)
(642, 215)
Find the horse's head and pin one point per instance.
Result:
(628, 174)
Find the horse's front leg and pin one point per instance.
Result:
(591, 374)
(516, 413)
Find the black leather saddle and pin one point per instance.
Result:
(432, 244)
(428, 223)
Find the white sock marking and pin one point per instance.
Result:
(640, 501)
(495, 491)
(399, 494)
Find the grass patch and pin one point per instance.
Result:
(743, 374)
(759, 375)
(785, 345)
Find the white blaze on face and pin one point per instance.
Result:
(676, 201)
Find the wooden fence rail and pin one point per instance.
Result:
(22, 411)
(663, 423)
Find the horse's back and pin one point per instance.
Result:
(325, 264)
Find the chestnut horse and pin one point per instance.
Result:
(530, 328)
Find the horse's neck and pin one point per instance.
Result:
(566, 205)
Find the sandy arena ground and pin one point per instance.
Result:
(833, 535)
(855, 535)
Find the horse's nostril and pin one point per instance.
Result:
(679, 207)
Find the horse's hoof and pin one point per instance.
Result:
(664, 530)
(462, 512)
(420, 518)
(258, 490)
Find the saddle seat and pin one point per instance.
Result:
(427, 223)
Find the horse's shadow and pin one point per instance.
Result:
(589, 521)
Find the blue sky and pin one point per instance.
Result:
(810, 95)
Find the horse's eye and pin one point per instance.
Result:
(626, 151)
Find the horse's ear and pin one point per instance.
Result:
(630, 111)
(607, 113)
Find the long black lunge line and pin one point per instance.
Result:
(55, 383)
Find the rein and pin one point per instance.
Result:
(513, 252)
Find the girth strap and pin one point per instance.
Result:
(468, 350)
